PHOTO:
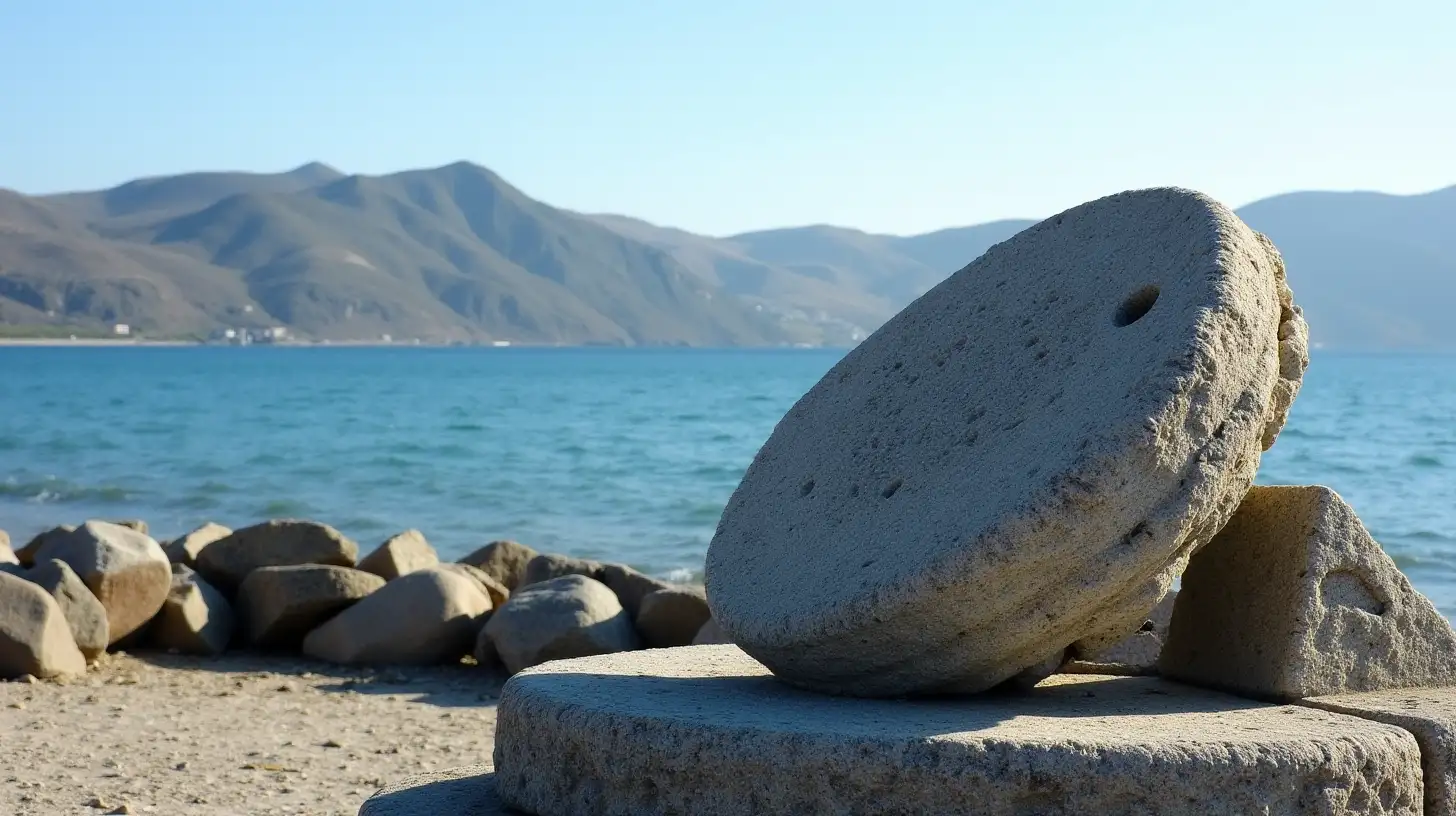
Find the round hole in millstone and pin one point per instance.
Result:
(1137, 304)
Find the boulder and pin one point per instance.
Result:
(1294, 599)
(282, 604)
(570, 616)
(26, 554)
(485, 653)
(184, 550)
(195, 619)
(35, 638)
(495, 589)
(545, 567)
(279, 543)
(84, 613)
(126, 571)
(630, 585)
(1021, 460)
(133, 524)
(404, 553)
(1135, 654)
(428, 616)
(7, 555)
(672, 616)
(711, 634)
(706, 730)
(505, 561)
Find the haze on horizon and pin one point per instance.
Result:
(725, 118)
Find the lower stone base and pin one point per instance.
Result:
(707, 730)
(468, 791)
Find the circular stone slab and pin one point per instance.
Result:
(706, 730)
(468, 791)
(1021, 460)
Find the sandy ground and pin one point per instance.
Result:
(240, 734)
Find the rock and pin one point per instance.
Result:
(545, 567)
(468, 791)
(672, 616)
(280, 543)
(706, 730)
(185, 550)
(34, 636)
(1135, 654)
(485, 653)
(428, 616)
(495, 589)
(7, 555)
(1295, 599)
(570, 616)
(133, 524)
(126, 571)
(283, 604)
(630, 585)
(195, 619)
(26, 554)
(1020, 460)
(505, 561)
(84, 613)
(711, 634)
(404, 553)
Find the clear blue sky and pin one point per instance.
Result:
(726, 116)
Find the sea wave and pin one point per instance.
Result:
(51, 490)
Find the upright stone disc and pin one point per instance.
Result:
(1019, 461)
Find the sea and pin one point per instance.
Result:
(626, 455)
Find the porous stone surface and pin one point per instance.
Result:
(630, 585)
(1020, 460)
(34, 636)
(672, 616)
(706, 730)
(1135, 654)
(125, 569)
(400, 555)
(195, 619)
(570, 616)
(84, 613)
(468, 791)
(185, 549)
(1429, 714)
(495, 589)
(1295, 599)
(505, 560)
(282, 604)
(547, 566)
(278, 543)
(428, 616)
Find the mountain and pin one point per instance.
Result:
(457, 254)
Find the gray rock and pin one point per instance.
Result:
(1020, 460)
(1295, 599)
(468, 791)
(279, 543)
(26, 554)
(545, 567)
(126, 570)
(672, 616)
(283, 604)
(505, 561)
(34, 636)
(184, 550)
(711, 634)
(428, 616)
(400, 555)
(485, 653)
(489, 585)
(630, 585)
(1429, 714)
(570, 616)
(706, 730)
(195, 619)
(84, 613)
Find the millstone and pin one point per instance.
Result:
(706, 730)
(467, 791)
(1019, 462)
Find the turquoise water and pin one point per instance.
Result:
(628, 455)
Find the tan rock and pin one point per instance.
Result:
(467, 791)
(1135, 654)
(570, 616)
(184, 550)
(85, 615)
(672, 616)
(706, 730)
(630, 585)
(34, 636)
(195, 619)
(7, 555)
(402, 554)
(279, 543)
(133, 524)
(126, 571)
(428, 616)
(1295, 599)
(1020, 460)
(545, 567)
(495, 589)
(505, 561)
(711, 634)
(280, 605)
(26, 554)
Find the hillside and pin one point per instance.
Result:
(457, 254)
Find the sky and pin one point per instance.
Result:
(722, 117)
